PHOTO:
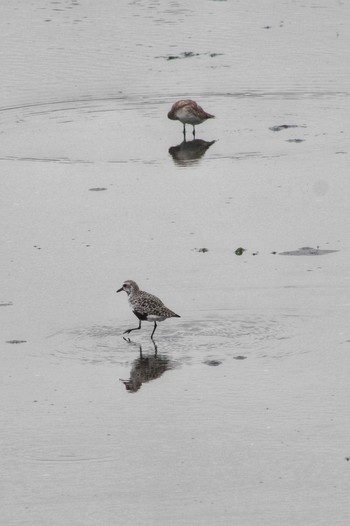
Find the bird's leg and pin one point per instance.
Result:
(194, 132)
(134, 329)
(154, 330)
(184, 131)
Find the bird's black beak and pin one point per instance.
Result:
(119, 290)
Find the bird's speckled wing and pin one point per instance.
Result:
(146, 303)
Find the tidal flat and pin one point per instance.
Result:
(240, 413)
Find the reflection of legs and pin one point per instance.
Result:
(134, 329)
(154, 330)
(155, 347)
(130, 342)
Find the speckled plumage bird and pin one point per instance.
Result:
(145, 306)
(188, 112)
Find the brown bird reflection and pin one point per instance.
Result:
(146, 368)
(189, 150)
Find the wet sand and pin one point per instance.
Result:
(242, 416)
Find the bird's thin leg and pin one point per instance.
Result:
(194, 132)
(184, 130)
(134, 329)
(154, 330)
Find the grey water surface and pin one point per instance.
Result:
(238, 414)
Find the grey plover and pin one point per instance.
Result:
(188, 112)
(145, 306)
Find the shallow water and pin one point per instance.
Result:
(241, 410)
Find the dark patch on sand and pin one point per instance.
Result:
(188, 54)
(212, 363)
(307, 251)
(281, 127)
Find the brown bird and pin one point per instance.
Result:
(188, 112)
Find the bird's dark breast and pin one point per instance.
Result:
(140, 316)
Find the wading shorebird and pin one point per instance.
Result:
(145, 306)
(188, 112)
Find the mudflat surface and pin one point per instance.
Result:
(242, 415)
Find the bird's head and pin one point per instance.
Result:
(129, 286)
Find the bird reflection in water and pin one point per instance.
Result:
(146, 368)
(189, 150)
